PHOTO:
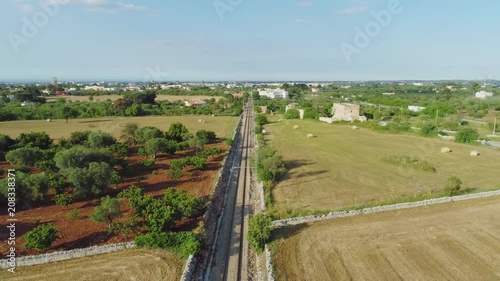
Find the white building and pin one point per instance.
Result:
(274, 94)
(388, 94)
(28, 103)
(415, 108)
(484, 95)
(94, 88)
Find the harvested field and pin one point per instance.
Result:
(454, 241)
(342, 168)
(134, 264)
(222, 126)
(115, 97)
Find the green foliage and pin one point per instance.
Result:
(229, 142)
(107, 211)
(453, 186)
(175, 173)
(185, 205)
(411, 162)
(5, 142)
(144, 134)
(124, 228)
(148, 162)
(29, 188)
(198, 143)
(467, 135)
(121, 149)
(292, 114)
(63, 199)
(259, 231)
(34, 139)
(208, 136)
(429, 130)
(79, 138)
(136, 199)
(135, 110)
(183, 243)
(24, 157)
(270, 164)
(261, 120)
(160, 145)
(311, 113)
(176, 132)
(93, 180)
(80, 157)
(128, 133)
(197, 162)
(209, 151)
(100, 139)
(160, 217)
(41, 237)
(74, 214)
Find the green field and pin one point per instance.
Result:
(341, 167)
(223, 126)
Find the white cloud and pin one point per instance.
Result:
(352, 10)
(130, 7)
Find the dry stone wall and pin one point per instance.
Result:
(334, 215)
(66, 255)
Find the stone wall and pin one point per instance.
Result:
(334, 215)
(66, 255)
(188, 268)
(269, 264)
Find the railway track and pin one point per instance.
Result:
(229, 261)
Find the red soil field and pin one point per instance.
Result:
(83, 232)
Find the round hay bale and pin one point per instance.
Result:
(264, 131)
(445, 150)
(48, 120)
(295, 127)
(474, 153)
(199, 120)
(355, 127)
(310, 136)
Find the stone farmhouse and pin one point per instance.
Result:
(345, 112)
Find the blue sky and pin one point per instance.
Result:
(249, 40)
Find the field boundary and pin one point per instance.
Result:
(269, 264)
(67, 255)
(378, 209)
(188, 268)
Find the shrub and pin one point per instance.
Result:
(311, 113)
(181, 146)
(34, 139)
(175, 173)
(429, 130)
(100, 139)
(41, 238)
(150, 162)
(197, 162)
(24, 157)
(209, 151)
(229, 141)
(206, 135)
(292, 114)
(183, 243)
(5, 142)
(259, 232)
(467, 135)
(74, 214)
(453, 186)
(407, 161)
(176, 132)
(107, 211)
(63, 199)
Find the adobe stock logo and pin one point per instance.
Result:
(31, 26)
(363, 37)
(223, 6)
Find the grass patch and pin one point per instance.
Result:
(409, 162)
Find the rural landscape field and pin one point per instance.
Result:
(454, 241)
(223, 126)
(136, 264)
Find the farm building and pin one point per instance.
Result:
(345, 112)
(274, 94)
(483, 95)
(415, 108)
(195, 103)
